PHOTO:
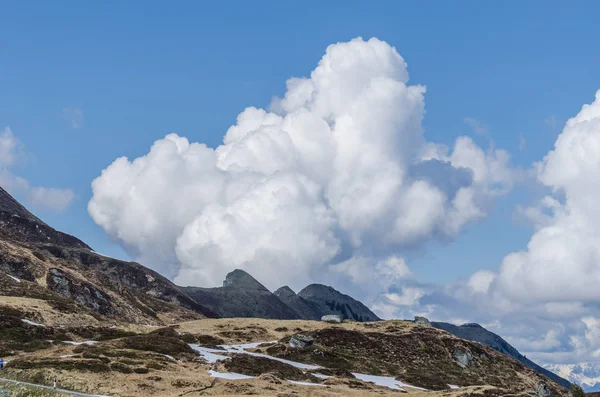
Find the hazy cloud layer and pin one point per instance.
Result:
(73, 116)
(335, 177)
(49, 199)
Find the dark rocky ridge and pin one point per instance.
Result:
(475, 332)
(327, 300)
(242, 296)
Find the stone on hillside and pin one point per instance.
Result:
(422, 321)
(542, 390)
(464, 358)
(332, 318)
(299, 341)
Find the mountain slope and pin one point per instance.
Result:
(17, 222)
(477, 333)
(586, 375)
(60, 269)
(242, 296)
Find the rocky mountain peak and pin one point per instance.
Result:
(239, 279)
(17, 223)
(327, 300)
(317, 290)
(285, 292)
(13, 207)
(471, 325)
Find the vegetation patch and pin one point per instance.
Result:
(203, 340)
(255, 366)
(84, 365)
(155, 342)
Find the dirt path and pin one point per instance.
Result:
(73, 393)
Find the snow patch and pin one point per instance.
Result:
(87, 342)
(242, 349)
(229, 375)
(304, 383)
(14, 278)
(209, 354)
(32, 323)
(385, 381)
(454, 387)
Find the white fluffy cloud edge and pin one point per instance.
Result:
(335, 180)
(37, 197)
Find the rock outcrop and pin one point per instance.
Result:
(333, 318)
(300, 341)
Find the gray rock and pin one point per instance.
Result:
(542, 390)
(299, 341)
(464, 358)
(332, 318)
(422, 321)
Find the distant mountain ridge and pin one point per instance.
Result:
(327, 300)
(586, 375)
(477, 333)
(242, 296)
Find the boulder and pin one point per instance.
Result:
(542, 390)
(333, 318)
(422, 321)
(299, 341)
(462, 357)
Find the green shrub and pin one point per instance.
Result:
(577, 391)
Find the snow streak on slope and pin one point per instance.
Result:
(214, 355)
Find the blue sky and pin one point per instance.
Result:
(141, 70)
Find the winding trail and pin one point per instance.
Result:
(73, 393)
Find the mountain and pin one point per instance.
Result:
(477, 333)
(39, 263)
(586, 375)
(323, 300)
(242, 296)
(306, 309)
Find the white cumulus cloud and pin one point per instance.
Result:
(337, 168)
(562, 260)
